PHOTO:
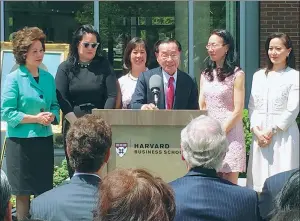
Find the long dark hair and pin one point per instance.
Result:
(230, 62)
(290, 60)
(127, 52)
(73, 56)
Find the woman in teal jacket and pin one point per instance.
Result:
(29, 106)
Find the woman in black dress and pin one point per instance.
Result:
(85, 80)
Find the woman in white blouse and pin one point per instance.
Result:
(135, 62)
(273, 108)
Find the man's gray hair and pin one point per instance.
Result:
(5, 195)
(204, 143)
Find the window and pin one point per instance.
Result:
(120, 21)
(57, 19)
(210, 15)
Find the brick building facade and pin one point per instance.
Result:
(280, 16)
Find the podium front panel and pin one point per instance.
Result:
(157, 150)
(148, 140)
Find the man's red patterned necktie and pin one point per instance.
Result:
(170, 93)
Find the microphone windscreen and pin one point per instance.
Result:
(155, 81)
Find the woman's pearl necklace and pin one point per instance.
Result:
(132, 77)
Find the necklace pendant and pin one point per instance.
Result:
(83, 65)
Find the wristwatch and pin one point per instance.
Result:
(274, 129)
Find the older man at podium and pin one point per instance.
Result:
(165, 87)
(201, 194)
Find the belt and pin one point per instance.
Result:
(86, 106)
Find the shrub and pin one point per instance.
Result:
(58, 140)
(247, 132)
(60, 173)
(298, 120)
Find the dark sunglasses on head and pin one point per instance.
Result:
(87, 44)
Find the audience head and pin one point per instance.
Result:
(29, 46)
(287, 201)
(5, 195)
(203, 143)
(167, 53)
(279, 51)
(85, 45)
(88, 143)
(135, 195)
(33, 220)
(136, 54)
(287, 215)
(221, 51)
(289, 196)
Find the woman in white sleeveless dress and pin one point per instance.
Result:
(135, 61)
(273, 108)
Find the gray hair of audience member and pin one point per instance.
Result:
(287, 215)
(289, 196)
(34, 220)
(5, 195)
(204, 143)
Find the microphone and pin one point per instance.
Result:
(155, 83)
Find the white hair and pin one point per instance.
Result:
(204, 143)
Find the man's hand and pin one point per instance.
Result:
(149, 107)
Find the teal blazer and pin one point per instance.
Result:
(21, 95)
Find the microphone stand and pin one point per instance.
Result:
(156, 92)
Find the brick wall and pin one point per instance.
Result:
(280, 16)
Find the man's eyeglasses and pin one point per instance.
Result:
(87, 44)
(213, 46)
(173, 56)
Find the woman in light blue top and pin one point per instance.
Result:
(29, 106)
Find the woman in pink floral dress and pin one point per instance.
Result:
(222, 94)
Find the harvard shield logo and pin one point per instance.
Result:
(121, 149)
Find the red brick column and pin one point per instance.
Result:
(280, 16)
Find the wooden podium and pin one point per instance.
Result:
(147, 139)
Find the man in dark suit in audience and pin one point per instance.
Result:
(201, 195)
(5, 195)
(272, 187)
(177, 89)
(88, 146)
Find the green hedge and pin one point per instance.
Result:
(60, 173)
(247, 132)
(58, 141)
